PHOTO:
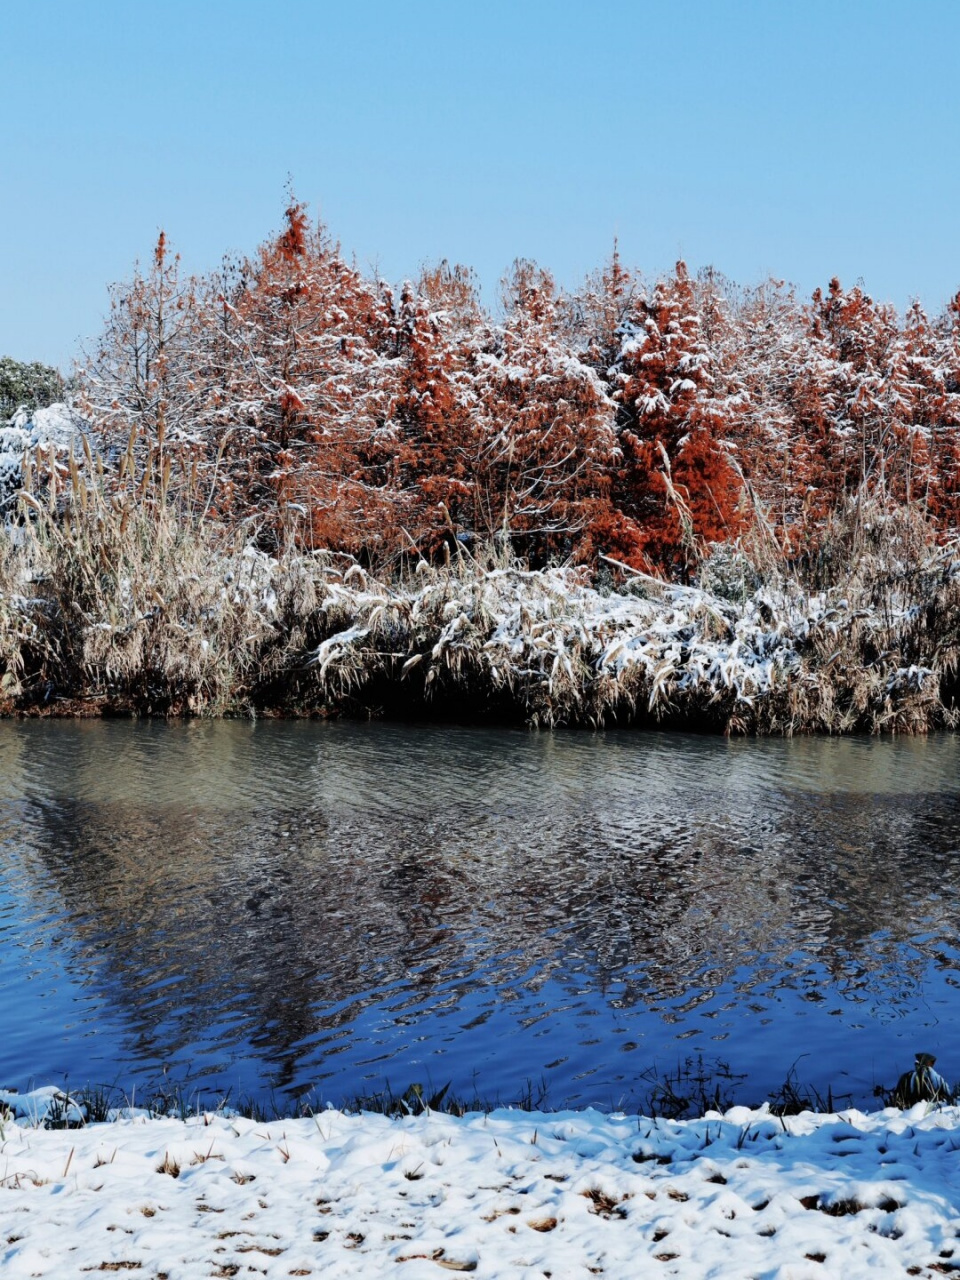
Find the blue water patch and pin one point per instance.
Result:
(289, 909)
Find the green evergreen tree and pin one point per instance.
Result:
(30, 386)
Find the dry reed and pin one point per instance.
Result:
(120, 597)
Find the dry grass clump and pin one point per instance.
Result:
(485, 639)
(116, 601)
(875, 618)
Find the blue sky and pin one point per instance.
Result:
(799, 139)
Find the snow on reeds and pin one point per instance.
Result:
(118, 602)
(560, 652)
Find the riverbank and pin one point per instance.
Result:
(121, 610)
(508, 1194)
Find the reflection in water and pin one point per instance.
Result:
(280, 907)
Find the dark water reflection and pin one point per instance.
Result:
(277, 907)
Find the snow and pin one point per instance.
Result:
(57, 426)
(510, 1194)
(41, 1106)
(562, 638)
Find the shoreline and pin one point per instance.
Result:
(118, 602)
(504, 646)
(503, 1194)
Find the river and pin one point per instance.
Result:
(291, 910)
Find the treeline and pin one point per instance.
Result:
(642, 422)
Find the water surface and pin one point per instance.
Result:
(275, 909)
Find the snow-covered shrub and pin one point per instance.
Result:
(28, 384)
(54, 430)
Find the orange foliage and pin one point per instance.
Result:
(618, 420)
(674, 429)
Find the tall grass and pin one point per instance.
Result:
(126, 596)
(865, 638)
(121, 600)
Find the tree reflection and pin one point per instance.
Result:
(246, 915)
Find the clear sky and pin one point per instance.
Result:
(799, 138)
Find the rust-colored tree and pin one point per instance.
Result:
(296, 406)
(432, 415)
(293, 397)
(674, 424)
(547, 427)
(934, 366)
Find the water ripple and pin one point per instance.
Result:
(279, 907)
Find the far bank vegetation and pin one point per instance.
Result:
(300, 491)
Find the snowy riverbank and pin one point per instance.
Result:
(190, 628)
(110, 604)
(510, 1194)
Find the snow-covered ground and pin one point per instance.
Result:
(510, 1194)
